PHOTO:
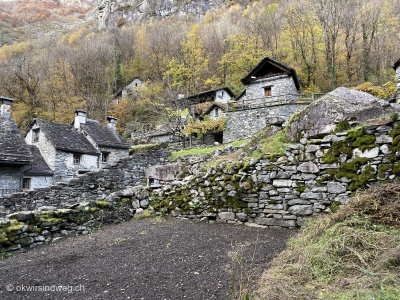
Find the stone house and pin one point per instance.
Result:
(396, 67)
(132, 88)
(70, 150)
(14, 153)
(267, 81)
(104, 138)
(38, 174)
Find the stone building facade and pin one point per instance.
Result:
(132, 88)
(267, 81)
(84, 146)
(14, 153)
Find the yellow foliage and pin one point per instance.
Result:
(206, 126)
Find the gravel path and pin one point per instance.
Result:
(146, 259)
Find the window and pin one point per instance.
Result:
(35, 135)
(105, 156)
(268, 91)
(26, 183)
(216, 112)
(77, 159)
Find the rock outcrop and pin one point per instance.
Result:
(112, 12)
(342, 104)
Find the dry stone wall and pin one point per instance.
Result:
(314, 176)
(90, 186)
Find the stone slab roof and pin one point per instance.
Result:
(13, 148)
(267, 60)
(38, 166)
(66, 137)
(104, 135)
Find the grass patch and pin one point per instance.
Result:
(199, 151)
(351, 254)
(145, 147)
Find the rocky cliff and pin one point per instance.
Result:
(110, 13)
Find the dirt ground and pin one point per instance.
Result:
(145, 259)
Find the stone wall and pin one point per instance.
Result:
(10, 177)
(312, 177)
(242, 124)
(90, 186)
(38, 182)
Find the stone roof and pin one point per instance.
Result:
(104, 135)
(38, 166)
(13, 148)
(66, 137)
(396, 64)
(273, 63)
(207, 95)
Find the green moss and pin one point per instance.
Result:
(33, 230)
(272, 201)
(396, 168)
(3, 240)
(300, 189)
(325, 177)
(335, 206)
(395, 132)
(14, 227)
(247, 210)
(396, 141)
(363, 179)
(353, 135)
(246, 166)
(103, 204)
(385, 167)
(347, 175)
(342, 125)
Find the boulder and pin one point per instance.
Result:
(342, 104)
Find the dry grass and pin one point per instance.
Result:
(352, 254)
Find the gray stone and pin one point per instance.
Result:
(298, 201)
(282, 183)
(136, 204)
(226, 216)
(64, 232)
(308, 167)
(57, 239)
(139, 212)
(384, 139)
(144, 203)
(274, 222)
(312, 148)
(385, 149)
(322, 116)
(369, 153)
(241, 216)
(336, 188)
(301, 210)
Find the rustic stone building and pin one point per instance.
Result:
(14, 153)
(132, 88)
(37, 174)
(84, 146)
(267, 81)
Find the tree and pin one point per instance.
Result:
(186, 72)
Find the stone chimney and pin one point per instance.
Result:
(5, 106)
(112, 122)
(80, 118)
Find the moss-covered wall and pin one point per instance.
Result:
(315, 176)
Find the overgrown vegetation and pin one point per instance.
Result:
(351, 254)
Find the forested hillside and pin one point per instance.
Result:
(330, 43)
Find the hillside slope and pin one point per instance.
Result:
(352, 254)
